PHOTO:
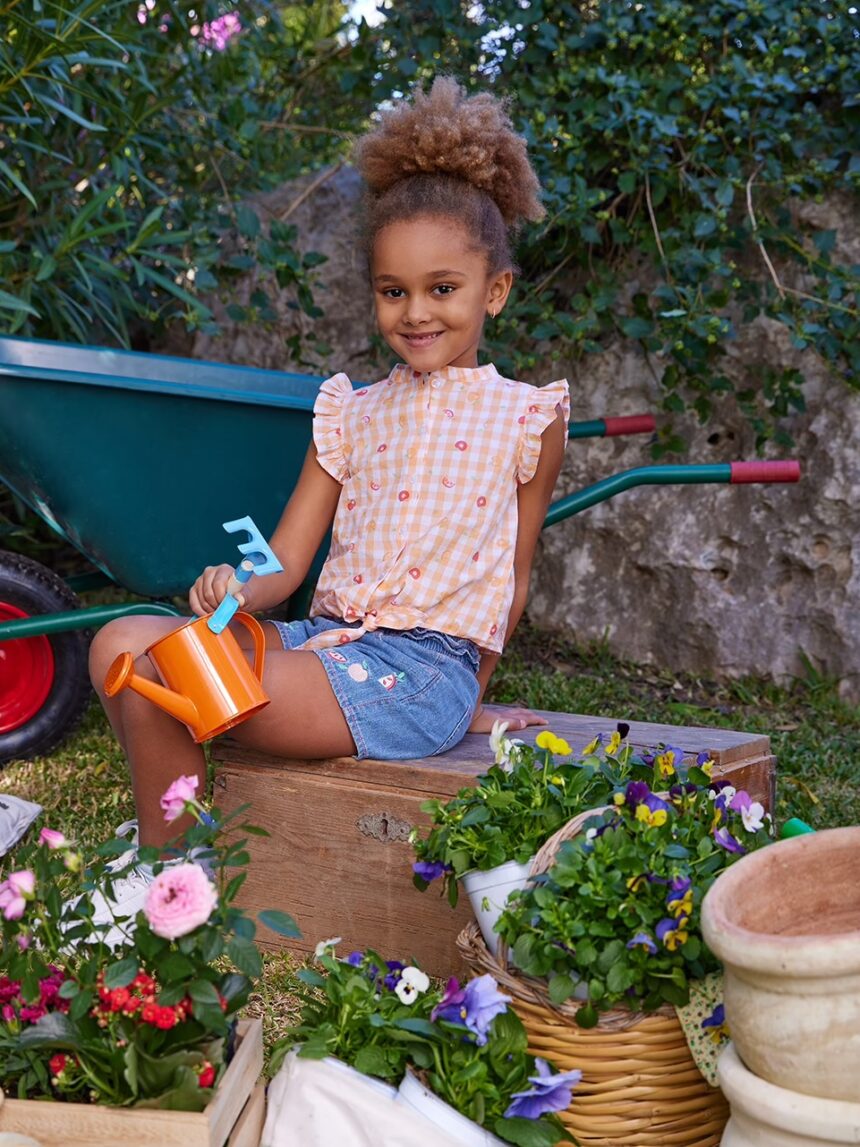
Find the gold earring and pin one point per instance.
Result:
(493, 313)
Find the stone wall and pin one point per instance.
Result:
(713, 579)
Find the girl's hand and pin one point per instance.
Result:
(517, 717)
(209, 590)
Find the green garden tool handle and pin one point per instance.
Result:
(613, 427)
(732, 472)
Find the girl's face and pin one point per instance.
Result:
(432, 292)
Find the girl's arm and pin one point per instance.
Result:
(533, 499)
(303, 525)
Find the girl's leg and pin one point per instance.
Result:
(303, 719)
(157, 746)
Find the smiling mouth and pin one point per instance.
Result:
(422, 340)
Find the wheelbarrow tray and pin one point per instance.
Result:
(137, 459)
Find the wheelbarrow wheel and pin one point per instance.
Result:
(44, 683)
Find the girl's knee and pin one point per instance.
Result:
(125, 634)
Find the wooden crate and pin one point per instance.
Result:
(338, 859)
(234, 1118)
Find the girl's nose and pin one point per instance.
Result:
(417, 311)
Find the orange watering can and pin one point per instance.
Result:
(207, 681)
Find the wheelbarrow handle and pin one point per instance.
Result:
(730, 472)
(612, 427)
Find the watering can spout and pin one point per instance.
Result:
(121, 675)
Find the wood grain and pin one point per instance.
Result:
(338, 860)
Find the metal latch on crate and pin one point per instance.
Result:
(385, 827)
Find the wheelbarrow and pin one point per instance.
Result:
(136, 460)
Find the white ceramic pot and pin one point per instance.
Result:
(785, 921)
(488, 891)
(767, 1116)
(456, 1127)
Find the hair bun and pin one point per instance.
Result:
(447, 132)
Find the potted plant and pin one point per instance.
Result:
(487, 835)
(144, 1018)
(613, 914)
(457, 1058)
(620, 906)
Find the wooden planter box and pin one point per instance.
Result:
(234, 1118)
(338, 857)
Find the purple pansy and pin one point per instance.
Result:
(548, 1094)
(636, 792)
(672, 933)
(354, 959)
(717, 1017)
(725, 840)
(395, 967)
(679, 899)
(643, 940)
(430, 870)
(475, 1006)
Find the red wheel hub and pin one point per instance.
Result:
(26, 674)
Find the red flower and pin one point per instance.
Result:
(119, 997)
(149, 1012)
(207, 1075)
(165, 1018)
(57, 1064)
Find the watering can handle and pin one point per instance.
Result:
(256, 630)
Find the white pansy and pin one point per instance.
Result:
(753, 816)
(505, 749)
(324, 945)
(415, 978)
(406, 993)
(590, 833)
(497, 739)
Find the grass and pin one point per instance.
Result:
(84, 789)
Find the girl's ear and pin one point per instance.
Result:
(497, 295)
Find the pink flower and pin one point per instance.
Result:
(52, 838)
(15, 892)
(179, 899)
(173, 801)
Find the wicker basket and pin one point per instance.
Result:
(640, 1085)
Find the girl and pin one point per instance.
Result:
(435, 482)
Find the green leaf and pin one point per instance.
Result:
(120, 974)
(526, 1132)
(245, 955)
(19, 183)
(561, 988)
(72, 115)
(371, 1060)
(10, 303)
(247, 221)
(280, 922)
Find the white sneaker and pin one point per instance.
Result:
(121, 907)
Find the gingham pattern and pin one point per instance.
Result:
(426, 525)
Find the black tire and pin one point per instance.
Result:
(29, 587)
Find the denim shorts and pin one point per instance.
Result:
(405, 694)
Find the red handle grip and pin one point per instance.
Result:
(788, 471)
(629, 424)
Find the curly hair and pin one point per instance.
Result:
(448, 154)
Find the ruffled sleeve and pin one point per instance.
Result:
(328, 426)
(539, 413)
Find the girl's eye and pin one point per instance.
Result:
(393, 293)
(444, 288)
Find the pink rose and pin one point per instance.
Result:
(173, 801)
(15, 892)
(179, 899)
(52, 838)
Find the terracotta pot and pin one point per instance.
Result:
(785, 921)
(765, 1114)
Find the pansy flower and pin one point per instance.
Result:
(673, 933)
(716, 1023)
(706, 763)
(680, 898)
(613, 744)
(636, 792)
(667, 760)
(652, 811)
(752, 812)
(558, 746)
(592, 746)
(725, 840)
(430, 870)
(644, 941)
(549, 1093)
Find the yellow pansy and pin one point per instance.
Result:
(654, 819)
(614, 743)
(592, 746)
(665, 762)
(556, 745)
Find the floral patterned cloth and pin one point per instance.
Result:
(704, 1024)
(426, 525)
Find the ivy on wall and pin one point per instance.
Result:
(684, 146)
